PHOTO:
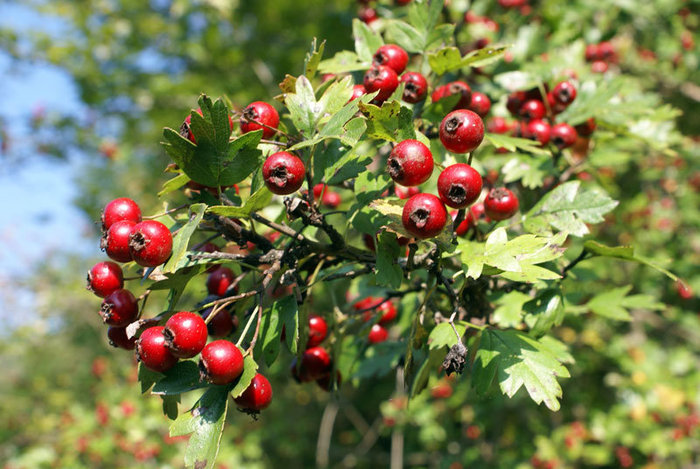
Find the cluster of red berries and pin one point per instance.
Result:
(316, 363)
(600, 56)
(372, 306)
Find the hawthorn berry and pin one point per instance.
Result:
(564, 93)
(315, 363)
(219, 280)
(368, 15)
(188, 122)
(416, 87)
(372, 304)
(120, 209)
(424, 216)
(684, 291)
(377, 334)
(515, 101)
(500, 204)
(283, 173)
(118, 338)
(587, 128)
(382, 79)
(220, 362)
(563, 135)
(115, 241)
(326, 382)
(256, 396)
(599, 66)
(318, 329)
(331, 199)
(459, 185)
(119, 308)
(152, 351)
(405, 192)
(455, 87)
(222, 324)
(185, 334)
(538, 130)
(357, 92)
(392, 56)
(410, 163)
(499, 125)
(480, 103)
(461, 131)
(150, 243)
(265, 117)
(104, 278)
(532, 109)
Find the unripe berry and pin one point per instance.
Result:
(416, 87)
(501, 204)
(318, 329)
(152, 351)
(382, 79)
(283, 173)
(461, 131)
(256, 396)
(263, 113)
(357, 92)
(532, 109)
(118, 338)
(185, 334)
(221, 362)
(221, 325)
(538, 130)
(392, 56)
(424, 216)
(120, 209)
(219, 280)
(459, 185)
(480, 103)
(115, 241)
(563, 135)
(410, 163)
(377, 334)
(119, 308)
(104, 278)
(455, 87)
(564, 93)
(150, 243)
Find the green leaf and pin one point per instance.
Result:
(442, 336)
(545, 311)
(259, 200)
(170, 403)
(431, 363)
(380, 359)
(287, 311)
(509, 308)
(515, 144)
(406, 36)
(517, 360)
(614, 304)
(182, 239)
(369, 187)
(391, 122)
(450, 58)
(366, 40)
(623, 252)
(389, 273)
(530, 169)
(302, 106)
(269, 338)
(344, 62)
(174, 184)
(206, 424)
(347, 167)
(147, 378)
(183, 377)
(250, 368)
(313, 58)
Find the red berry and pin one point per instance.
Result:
(499, 125)
(221, 362)
(117, 338)
(188, 121)
(119, 210)
(315, 363)
(537, 130)
(564, 93)
(119, 308)
(405, 192)
(263, 113)
(150, 243)
(357, 92)
(563, 135)
(219, 280)
(402, 2)
(424, 216)
(115, 241)
(331, 199)
(532, 109)
(377, 334)
(455, 87)
(368, 15)
(221, 325)
(392, 56)
(382, 79)
(320, 189)
(480, 103)
(500, 204)
(104, 278)
(152, 351)
(410, 163)
(461, 131)
(515, 101)
(592, 53)
(464, 225)
(599, 66)
(318, 329)
(459, 185)
(283, 173)
(380, 305)
(683, 290)
(326, 382)
(416, 87)
(587, 128)
(185, 334)
(257, 395)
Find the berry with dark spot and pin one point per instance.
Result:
(382, 79)
(410, 163)
(119, 308)
(152, 351)
(459, 185)
(392, 56)
(283, 173)
(416, 87)
(461, 131)
(150, 243)
(185, 334)
(424, 216)
(563, 135)
(501, 204)
(564, 93)
(115, 241)
(456, 87)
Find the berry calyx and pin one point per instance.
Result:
(152, 351)
(532, 109)
(219, 280)
(480, 103)
(377, 334)
(459, 185)
(115, 241)
(392, 56)
(256, 396)
(410, 163)
(105, 278)
(382, 79)
(283, 173)
(119, 308)
(118, 338)
(150, 243)
(456, 87)
(221, 362)
(222, 324)
(318, 329)
(185, 334)
(424, 216)
(120, 209)
(416, 87)
(564, 93)
(265, 117)
(563, 135)
(500, 204)
(461, 131)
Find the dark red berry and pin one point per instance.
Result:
(499, 125)
(150, 243)
(424, 216)
(592, 53)
(501, 204)
(119, 308)
(416, 87)
(104, 278)
(315, 363)
(221, 325)
(256, 396)
(152, 351)
(402, 2)
(326, 382)
(117, 338)
(383, 306)
(377, 334)
(367, 15)
(537, 130)
(219, 280)
(221, 362)
(587, 128)
(188, 122)
(331, 199)
(283, 173)
(563, 135)
(357, 92)
(463, 226)
(392, 56)
(115, 241)
(480, 103)
(461, 131)
(119, 210)
(266, 118)
(185, 334)
(410, 163)
(318, 329)
(459, 185)
(564, 93)
(532, 109)
(515, 101)
(382, 79)
(455, 87)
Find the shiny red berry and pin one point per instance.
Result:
(219, 280)
(318, 329)
(410, 163)
(256, 396)
(188, 122)
(119, 210)
(499, 125)
(152, 351)
(150, 243)
(538, 130)
(459, 185)
(283, 173)
(392, 56)
(461, 131)
(331, 199)
(357, 92)
(368, 15)
(563, 135)
(532, 109)
(424, 216)
(382, 79)
(416, 87)
(456, 87)
(221, 362)
(564, 93)
(315, 363)
(115, 241)
(265, 117)
(104, 278)
(377, 334)
(501, 204)
(221, 325)
(185, 334)
(382, 306)
(480, 103)
(119, 308)
(515, 101)
(118, 338)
